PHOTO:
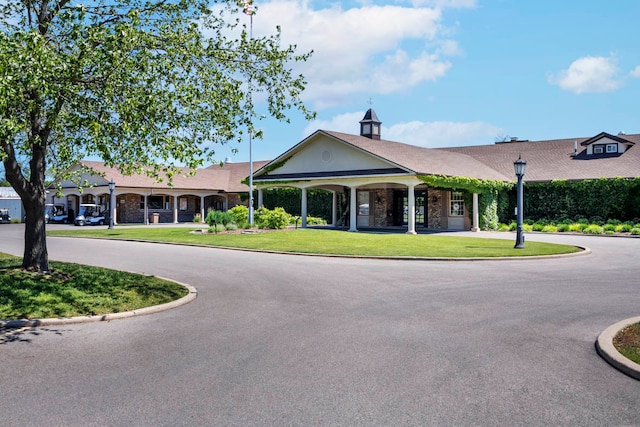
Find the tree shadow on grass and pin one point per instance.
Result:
(25, 334)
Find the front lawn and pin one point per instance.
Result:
(77, 290)
(333, 242)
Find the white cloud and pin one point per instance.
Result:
(635, 72)
(591, 74)
(423, 134)
(442, 134)
(370, 49)
(347, 123)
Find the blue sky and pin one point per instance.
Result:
(458, 72)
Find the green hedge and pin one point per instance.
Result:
(596, 200)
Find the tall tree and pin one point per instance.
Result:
(143, 84)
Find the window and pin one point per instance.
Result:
(612, 148)
(457, 204)
(598, 149)
(156, 202)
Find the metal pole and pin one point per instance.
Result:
(111, 203)
(520, 203)
(250, 139)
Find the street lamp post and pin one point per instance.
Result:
(519, 166)
(112, 186)
(249, 10)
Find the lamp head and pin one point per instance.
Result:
(519, 166)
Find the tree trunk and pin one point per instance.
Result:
(35, 256)
(33, 195)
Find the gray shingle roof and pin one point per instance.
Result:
(552, 159)
(227, 178)
(423, 161)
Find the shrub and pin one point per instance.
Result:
(240, 215)
(635, 231)
(219, 217)
(562, 228)
(614, 221)
(549, 229)
(197, 218)
(275, 219)
(527, 227)
(537, 227)
(314, 220)
(513, 226)
(231, 227)
(593, 229)
(503, 227)
(216, 228)
(577, 226)
(623, 228)
(609, 227)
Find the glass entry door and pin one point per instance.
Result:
(401, 207)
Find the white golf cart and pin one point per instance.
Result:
(55, 213)
(90, 214)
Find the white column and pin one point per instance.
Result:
(411, 229)
(226, 203)
(202, 208)
(260, 197)
(303, 209)
(146, 210)
(334, 209)
(175, 209)
(112, 204)
(353, 210)
(476, 214)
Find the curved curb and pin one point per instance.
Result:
(583, 251)
(606, 349)
(193, 293)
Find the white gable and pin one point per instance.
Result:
(605, 145)
(326, 154)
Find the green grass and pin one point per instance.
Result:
(77, 290)
(334, 242)
(627, 342)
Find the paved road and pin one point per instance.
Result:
(280, 340)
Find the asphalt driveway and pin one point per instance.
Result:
(279, 340)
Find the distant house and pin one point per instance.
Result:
(389, 183)
(139, 199)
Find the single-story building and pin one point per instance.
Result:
(140, 199)
(388, 184)
(395, 184)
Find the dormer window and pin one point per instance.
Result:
(612, 148)
(598, 149)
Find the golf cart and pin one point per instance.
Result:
(5, 218)
(55, 213)
(90, 214)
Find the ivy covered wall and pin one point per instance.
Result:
(594, 199)
(319, 202)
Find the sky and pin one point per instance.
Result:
(444, 73)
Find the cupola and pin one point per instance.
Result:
(370, 125)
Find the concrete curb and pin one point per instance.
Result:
(583, 251)
(193, 293)
(606, 349)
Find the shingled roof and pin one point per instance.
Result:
(226, 178)
(553, 159)
(423, 161)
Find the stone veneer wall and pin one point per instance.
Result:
(435, 208)
(382, 208)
